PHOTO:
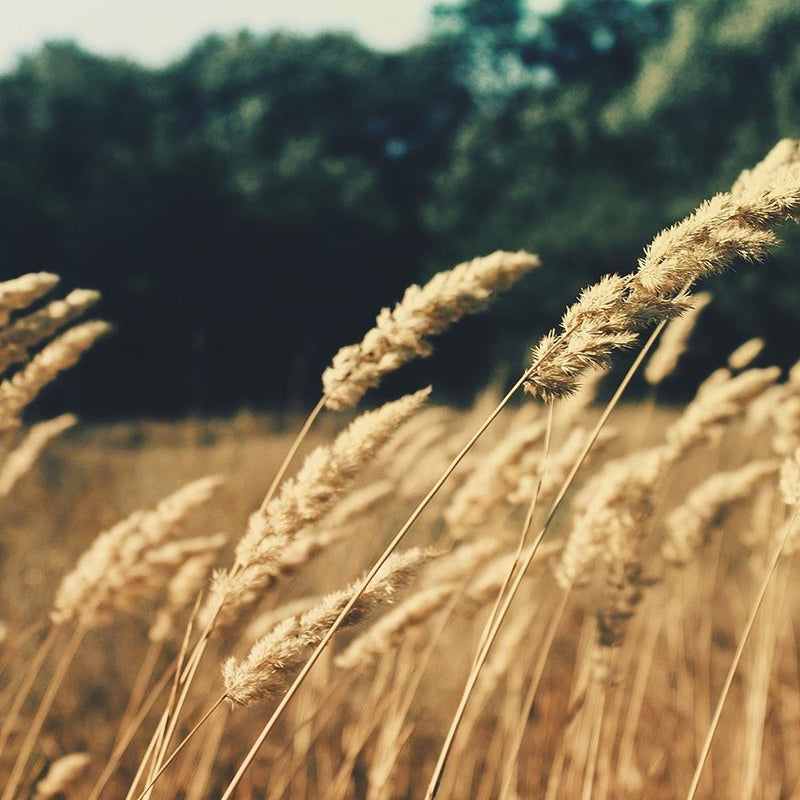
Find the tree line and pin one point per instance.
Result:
(248, 208)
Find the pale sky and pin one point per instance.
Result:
(155, 31)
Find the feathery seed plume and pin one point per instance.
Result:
(325, 474)
(610, 314)
(388, 631)
(128, 582)
(263, 623)
(273, 660)
(612, 508)
(785, 153)
(591, 330)
(402, 333)
(716, 404)
(485, 586)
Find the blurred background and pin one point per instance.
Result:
(248, 183)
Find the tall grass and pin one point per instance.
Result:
(588, 601)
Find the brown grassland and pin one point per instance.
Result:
(540, 596)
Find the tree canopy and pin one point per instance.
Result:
(249, 208)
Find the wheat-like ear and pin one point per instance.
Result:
(403, 333)
(326, 473)
(270, 666)
(610, 314)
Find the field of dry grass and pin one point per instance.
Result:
(535, 597)
(676, 652)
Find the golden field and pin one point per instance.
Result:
(655, 713)
(552, 596)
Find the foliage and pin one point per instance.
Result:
(263, 186)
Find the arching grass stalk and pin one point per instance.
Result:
(185, 673)
(376, 567)
(199, 724)
(511, 593)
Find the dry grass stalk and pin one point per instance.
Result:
(272, 661)
(790, 490)
(325, 475)
(20, 460)
(726, 227)
(609, 314)
(402, 333)
(63, 772)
